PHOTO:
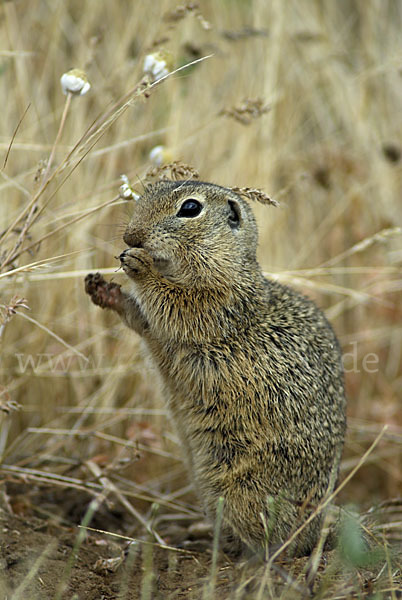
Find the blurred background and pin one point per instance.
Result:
(301, 99)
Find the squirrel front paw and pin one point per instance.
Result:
(105, 294)
(136, 262)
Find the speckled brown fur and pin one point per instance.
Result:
(251, 369)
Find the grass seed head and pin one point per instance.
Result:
(248, 110)
(174, 171)
(255, 195)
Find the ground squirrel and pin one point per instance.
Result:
(251, 369)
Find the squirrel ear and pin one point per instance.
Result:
(234, 214)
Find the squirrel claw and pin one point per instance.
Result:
(135, 262)
(103, 293)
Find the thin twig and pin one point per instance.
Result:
(58, 136)
(109, 485)
(65, 225)
(54, 335)
(39, 263)
(14, 134)
(137, 541)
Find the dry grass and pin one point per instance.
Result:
(298, 100)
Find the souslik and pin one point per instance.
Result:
(251, 369)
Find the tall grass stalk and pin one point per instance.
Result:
(209, 590)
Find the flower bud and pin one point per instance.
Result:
(157, 64)
(125, 190)
(159, 155)
(75, 82)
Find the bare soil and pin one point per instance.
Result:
(35, 554)
(44, 558)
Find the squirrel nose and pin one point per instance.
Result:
(132, 240)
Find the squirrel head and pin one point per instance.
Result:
(198, 234)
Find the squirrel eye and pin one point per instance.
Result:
(190, 208)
